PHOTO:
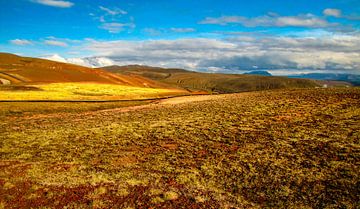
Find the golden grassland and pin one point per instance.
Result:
(44, 108)
(84, 91)
(270, 149)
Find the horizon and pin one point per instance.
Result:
(283, 38)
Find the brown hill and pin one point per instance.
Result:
(221, 83)
(19, 70)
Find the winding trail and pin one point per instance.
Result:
(187, 99)
(168, 101)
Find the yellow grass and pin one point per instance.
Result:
(84, 91)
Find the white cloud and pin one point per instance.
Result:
(21, 42)
(152, 31)
(270, 20)
(161, 31)
(115, 27)
(87, 61)
(314, 51)
(54, 57)
(102, 19)
(56, 43)
(182, 30)
(301, 21)
(55, 3)
(91, 61)
(332, 12)
(328, 53)
(114, 11)
(112, 20)
(338, 13)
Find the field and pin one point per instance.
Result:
(82, 91)
(279, 148)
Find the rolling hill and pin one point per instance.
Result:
(220, 83)
(25, 70)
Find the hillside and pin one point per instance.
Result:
(24, 70)
(221, 83)
(155, 73)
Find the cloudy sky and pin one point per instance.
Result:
(283, 37)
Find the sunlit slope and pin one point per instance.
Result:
(21, 70)
(82, 91)
(222, 83)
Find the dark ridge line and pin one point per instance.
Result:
(103, 101)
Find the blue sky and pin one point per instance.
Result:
(284, 37)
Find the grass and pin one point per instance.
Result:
(82, 91)
(227, 83)
(271, 149)
(20, 109)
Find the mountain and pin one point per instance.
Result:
(25, 70)
(221, 83)
(258, 72)
(351, 78)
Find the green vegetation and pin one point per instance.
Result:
(82, 91)
(269, 149)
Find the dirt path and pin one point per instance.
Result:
(170, 101)
(187, 99)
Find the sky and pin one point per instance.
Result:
(233, 36)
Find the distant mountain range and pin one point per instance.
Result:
(346, 78)
(258, 72)
(26, 70)
(351, 78)
(97, 62)
(16, 69)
